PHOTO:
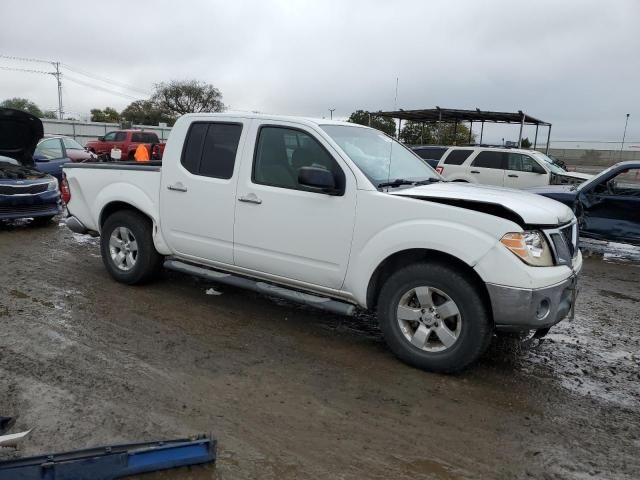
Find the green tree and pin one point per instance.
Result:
(384, 124)
(22, 104)
(108, 115)
(145, 112)
(49, 114)
(415, 133)
(526, 143)
(176, 98)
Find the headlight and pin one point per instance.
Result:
(53, 185)
(530, 246)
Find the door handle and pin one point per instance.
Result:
(177, 187)
(475, 171)
(250, 198)
(512, 175)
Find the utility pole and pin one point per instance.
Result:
(58, 75)
(331, 110)
(624, 134)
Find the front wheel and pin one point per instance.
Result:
(127, 248)
(432, 316)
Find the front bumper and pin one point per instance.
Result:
(25, 206)
(517, 309)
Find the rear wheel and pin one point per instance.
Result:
(127, 248)
(433, 317)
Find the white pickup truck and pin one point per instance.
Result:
(337, 216)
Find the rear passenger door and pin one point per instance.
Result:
(488, 168)
(197, 193)
(524, 171)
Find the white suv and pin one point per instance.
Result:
(504, 167)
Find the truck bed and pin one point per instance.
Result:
(152, 165)
(95, 185)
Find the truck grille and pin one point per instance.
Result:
(23, 189)
(567, 234)
(564, 243)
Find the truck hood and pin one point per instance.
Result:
(19, 135)
(524, 208)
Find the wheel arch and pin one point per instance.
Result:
(412, 256)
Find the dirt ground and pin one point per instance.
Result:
(295, 393)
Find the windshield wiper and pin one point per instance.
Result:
(429, 180)
(401, 181)
(396, 183)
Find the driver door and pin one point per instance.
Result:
(611, 209)
(282, 228)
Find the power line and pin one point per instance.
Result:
(99, 87)
(24, 59)
(105, 79)
(28, 70)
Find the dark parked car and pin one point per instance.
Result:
(53, 152)
(24, 191)
(607, 206)
(431, 153)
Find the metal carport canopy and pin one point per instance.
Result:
(452, 115)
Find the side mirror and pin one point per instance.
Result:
(319, 179)
(101, 139)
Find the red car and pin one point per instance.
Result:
(127, 141)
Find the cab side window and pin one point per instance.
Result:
(457, 157)
(523, 163)
(120, 137)
(110, 137)
(281, 152)
(210, 149)
(489, 159)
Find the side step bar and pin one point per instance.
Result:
(323, 303)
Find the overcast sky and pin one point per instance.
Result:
(573, 63)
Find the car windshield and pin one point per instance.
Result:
(550, 163)
(71, 144)
(380, 157)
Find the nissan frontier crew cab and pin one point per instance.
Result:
(338, 216)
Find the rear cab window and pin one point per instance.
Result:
(210, 149)
(144, 137)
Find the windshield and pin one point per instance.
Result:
(71, 144)
(381, 158)
(551, 165)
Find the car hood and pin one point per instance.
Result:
(19, 135)
(10, 173)
(522, 207)
(568, 189)
(581, 176)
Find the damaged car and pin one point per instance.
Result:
(607, 206)
(24, 191)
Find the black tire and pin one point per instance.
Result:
(475, 328)
(148, 261)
